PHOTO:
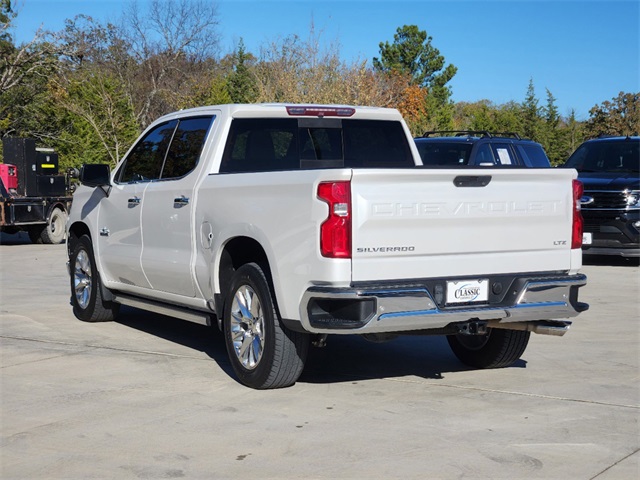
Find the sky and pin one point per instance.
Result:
(584, 52)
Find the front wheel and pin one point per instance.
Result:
(498, 348)
(263, 352)
(86, 292)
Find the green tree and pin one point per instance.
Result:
(486, 116)
(549, 134)
(413, 54)
(241, 83)
(531, 114)
(573, 134)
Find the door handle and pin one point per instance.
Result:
(133, 202)
(180, 201)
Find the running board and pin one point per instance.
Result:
(194, 316)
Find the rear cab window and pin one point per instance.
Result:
(275, 144)
(444, 153)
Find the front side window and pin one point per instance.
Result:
(484, 155)
(145, 161)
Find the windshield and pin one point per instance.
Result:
(616, 156)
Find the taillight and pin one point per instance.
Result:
(335, 231)
(578, 223)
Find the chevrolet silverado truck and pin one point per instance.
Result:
(609, 169)
(283, 224)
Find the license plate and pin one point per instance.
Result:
(467, 291)
(587, 238)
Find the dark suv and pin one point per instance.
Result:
(608, 168)
(465, 147)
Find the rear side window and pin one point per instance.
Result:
(503, 154)
(186, 147)
(261, 145)
(533, 156)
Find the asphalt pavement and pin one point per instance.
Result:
(152, 397)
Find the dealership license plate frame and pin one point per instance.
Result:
(463, 297)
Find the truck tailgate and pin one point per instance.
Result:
(429, 223)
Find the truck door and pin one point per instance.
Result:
(168, 249)
(119, 219)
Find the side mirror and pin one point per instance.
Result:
(95, 175)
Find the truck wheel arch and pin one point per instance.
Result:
(77, 230)
(235, 253)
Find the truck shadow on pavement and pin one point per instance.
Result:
(201, 338)
(351, 358)
(610, 260)
(345, 358)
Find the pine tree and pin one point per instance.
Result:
(241, 83)
(531, 114)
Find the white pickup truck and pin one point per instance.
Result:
(284, 224)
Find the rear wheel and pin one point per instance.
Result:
(263, 352)
(496, 349)
(86, 293)
(54, 232)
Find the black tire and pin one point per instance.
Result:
(54, 232)
(497, 349)
(86, 292)
(263, 352)
(35, 233)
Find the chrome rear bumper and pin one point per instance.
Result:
(540, 304)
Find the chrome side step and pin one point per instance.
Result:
(201, 318)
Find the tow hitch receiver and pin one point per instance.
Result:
(472, 327)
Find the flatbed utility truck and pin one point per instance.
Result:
(34, 196)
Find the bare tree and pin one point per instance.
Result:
(169, 43)
(300, 70)
(17, 63)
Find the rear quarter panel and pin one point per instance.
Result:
(281, 212)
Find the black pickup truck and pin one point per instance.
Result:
(608, 168)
